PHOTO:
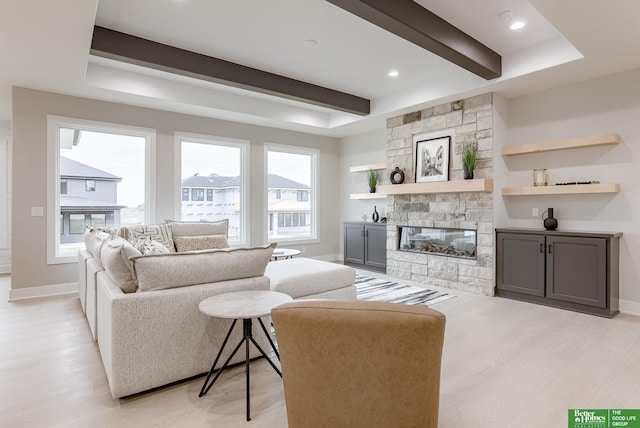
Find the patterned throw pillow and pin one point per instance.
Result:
(148, 246)
(196, 243)
(157, 232)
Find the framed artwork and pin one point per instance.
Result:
(432, 159)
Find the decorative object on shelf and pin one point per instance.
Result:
(383, 220)
(372, 177)
(397, 176)
(432, 159)
(469, 159)
(550, 223)
(540, 177)
(375, 216)
(364, 217)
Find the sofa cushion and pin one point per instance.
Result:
(157, 272)
(157, 232)
(115, 259)
(198, 228)
(196, 243)
(94, 239)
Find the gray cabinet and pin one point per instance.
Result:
(570, 270)
(365, 245)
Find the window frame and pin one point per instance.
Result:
(54, 123)
(213, 140)
(313, 192)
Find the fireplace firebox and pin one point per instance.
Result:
(439, 241)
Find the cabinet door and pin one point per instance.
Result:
(577, 270)
(520, 263)
(375, 246)
(354, 243)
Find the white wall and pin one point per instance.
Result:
(30, 110)
(5, 197)
(603, 105)
(361, 149)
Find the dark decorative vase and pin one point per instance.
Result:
(468, 175)
(372, 190)
(397, 176)
(375, 216)
(550, 223)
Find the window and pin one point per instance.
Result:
(76, 223)
(185, 194)
(292, 189)
(197, 194)
(82, 153)
(215, 169)
(98, 220)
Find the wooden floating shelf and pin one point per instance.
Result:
(364, 168)
(459, 186)
(562, 190)
(567, 144)
(368, 196)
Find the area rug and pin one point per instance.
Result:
(381, 290)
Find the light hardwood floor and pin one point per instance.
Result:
(505, 364)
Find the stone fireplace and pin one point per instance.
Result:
(428, 232)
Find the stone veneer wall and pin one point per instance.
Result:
(472, 121)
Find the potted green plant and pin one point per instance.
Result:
(372, 177)
(469, 159)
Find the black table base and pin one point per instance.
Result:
(247, 337)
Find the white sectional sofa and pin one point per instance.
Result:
(143, 309)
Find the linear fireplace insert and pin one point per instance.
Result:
(440, 241)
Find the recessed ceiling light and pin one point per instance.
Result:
(517, 25)
(311, 42)
(393, 73)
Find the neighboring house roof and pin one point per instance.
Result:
(218, 181)
(74, 169)
(213, 180)
(75, 202)
(278, 182)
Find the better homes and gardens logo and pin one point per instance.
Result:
(603, 418)
(588, 418)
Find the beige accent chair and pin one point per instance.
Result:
(350, 364)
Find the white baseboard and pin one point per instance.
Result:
(42, 291)
(327, 258)
(630, 308)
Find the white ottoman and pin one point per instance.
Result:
(303, 278)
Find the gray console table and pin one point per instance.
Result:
(365, 245)
(570, 270)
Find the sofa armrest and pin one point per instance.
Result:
(154, 338)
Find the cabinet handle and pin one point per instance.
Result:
(542, 248)
(549, 248)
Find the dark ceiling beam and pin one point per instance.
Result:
(135, 50)
(409, 20)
